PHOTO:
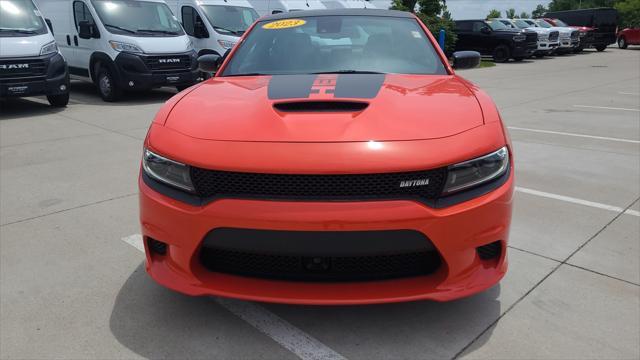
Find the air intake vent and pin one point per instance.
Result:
(321, 106)
(490, 251)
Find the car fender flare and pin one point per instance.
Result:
(101, 59)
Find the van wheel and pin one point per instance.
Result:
(601, 48)
(58, 100)
(107, 86)
(501, 54)
(622, 42)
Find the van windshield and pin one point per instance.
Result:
(336, 44)
(230, 20)
(138, 18)
(20, 18)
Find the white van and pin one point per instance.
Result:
(123, 44)
(30, 63)
(268, 7)
(214, 26)
(348, 4)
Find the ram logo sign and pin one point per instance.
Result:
(13, 66)
(168, 61)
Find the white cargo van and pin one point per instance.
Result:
(123, 44)
(267, 7)
(30, 63)
(214, 26)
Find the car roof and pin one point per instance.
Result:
(339, 12)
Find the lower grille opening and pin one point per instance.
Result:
(319, 256)
(157, 247)
(490, 251)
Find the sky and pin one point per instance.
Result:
(474, 9)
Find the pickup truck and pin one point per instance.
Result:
(548, 40)
(587, 34)
(495, 39)
(628, 36)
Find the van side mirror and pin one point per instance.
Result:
(466, 59)
(86, 30)
(49, 25)
(485, 30)
(199, 30)
(209, 63)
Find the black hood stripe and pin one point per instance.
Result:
(325, 86)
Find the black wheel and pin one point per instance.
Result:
(601, 48)
(107, 86)
(539, 56)
(519, 58)
(501, 54)
(58, 100)
(622, 43)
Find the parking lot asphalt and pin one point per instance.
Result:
(70, 287)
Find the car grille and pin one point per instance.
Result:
(212, 183)
(319, 256)
(532, 37)
(22, 68)
(168, 63)
(575, 35)
(553, 36)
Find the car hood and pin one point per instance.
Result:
(23, 45)
(327, 108)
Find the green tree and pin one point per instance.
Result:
(524, 15)
(494, 14)
(539, 11)
(404, 5)
(434, 15)
(629, 11)
(510, 13)
(559, 5)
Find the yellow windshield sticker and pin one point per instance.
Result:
(284, 24)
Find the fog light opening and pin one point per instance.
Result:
(490, 251)
(131, 84)
(157, 247)
(63, 87)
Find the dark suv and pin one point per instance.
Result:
(491, 37)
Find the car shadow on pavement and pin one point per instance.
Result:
(14, 108)
(85, 93)
(155, 322)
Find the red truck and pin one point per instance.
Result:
(628, 36)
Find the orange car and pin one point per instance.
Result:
(334, 158)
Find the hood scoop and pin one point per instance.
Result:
(321, 106)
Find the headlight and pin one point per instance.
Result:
(226, 44)
(477, 171)
(519, 38)
(125, 47)
(167, 171)
(49, 48)
(582, 34)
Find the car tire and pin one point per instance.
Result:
(539, 56)
(519, 58)
(60, 100)
(601, 48)
(622, 42)
(107, 87)
(501, 54)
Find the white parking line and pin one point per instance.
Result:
(577, 201)
(288, 336)
(575, 135)
(605, 108)
(629, 93)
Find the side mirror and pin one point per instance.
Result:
(209, 63)
(485, 30)
(85, 30)
(49, 25)
(199, 30)
(466, 59)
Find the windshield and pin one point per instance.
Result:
(336, 44)
(141, 18)
(561, 23)
(543, 23)
(497, 25)
(20, 18)
(521, 24)
(230, 20)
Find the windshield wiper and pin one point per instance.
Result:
(225, 29)
(348, 72)
(120, 28)
(20, 31)
(157, 31)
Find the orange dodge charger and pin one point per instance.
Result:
(334, 158)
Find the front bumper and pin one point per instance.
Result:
(54, 81)
(134, 74)
(455, 231)
(545, 47)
